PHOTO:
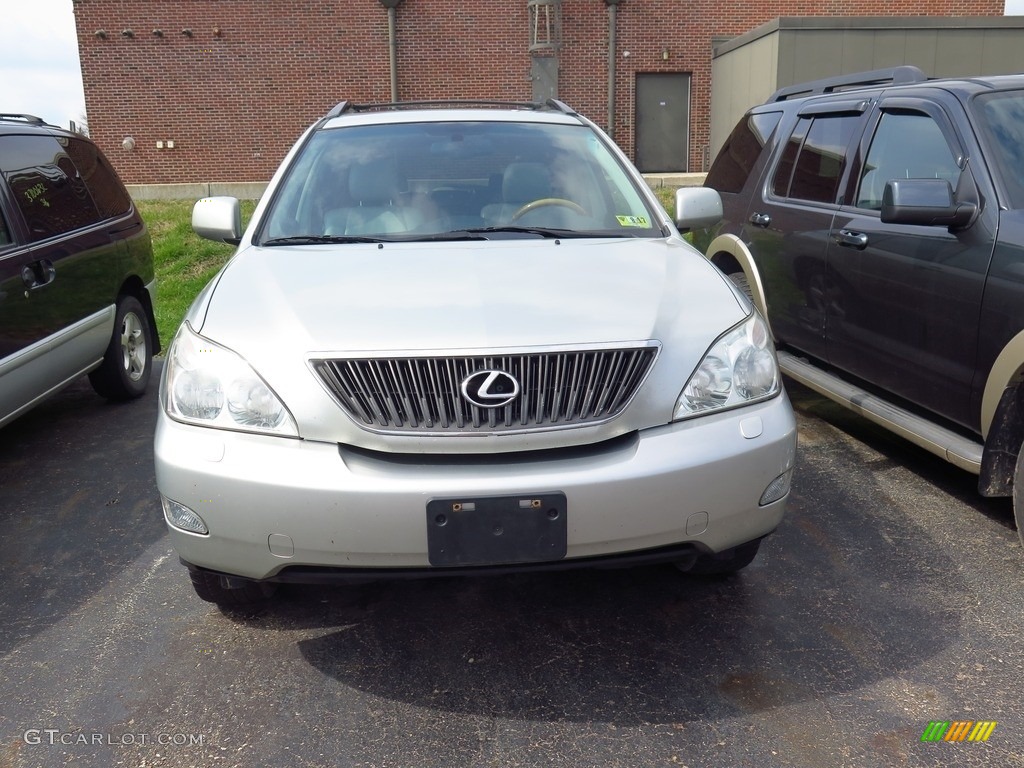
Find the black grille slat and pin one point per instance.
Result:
(423, 394)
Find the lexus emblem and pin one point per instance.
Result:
(490, 389)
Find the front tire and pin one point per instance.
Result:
(127, 363)
(1018, 495)
(740, 280)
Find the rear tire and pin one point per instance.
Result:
(722, 563)
(127, 363)
(211, 588)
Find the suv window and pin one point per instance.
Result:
(814, 159)
(47, 187)
(5, 233)
(1003, 119)
(737, 157)
(107, 192)
(905, 146)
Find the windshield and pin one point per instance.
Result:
(413, 181)
(1002, 118)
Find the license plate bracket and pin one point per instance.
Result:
(497, 530)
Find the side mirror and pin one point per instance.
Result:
(697, 208)
(928, 202)
(219, 219)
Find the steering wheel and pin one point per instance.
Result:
(545, 201)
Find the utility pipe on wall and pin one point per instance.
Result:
(392, 6)
(612, 25)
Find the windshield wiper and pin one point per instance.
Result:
(541, 231)
(319, 239)
(454, 235)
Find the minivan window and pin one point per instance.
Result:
(46, 185)
(737, 157)
(106, 189)
(817, 158)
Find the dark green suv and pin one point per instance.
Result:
(877, 220)
(76, 270)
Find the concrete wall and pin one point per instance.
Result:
(251, 190)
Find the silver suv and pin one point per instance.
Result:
(465, 338)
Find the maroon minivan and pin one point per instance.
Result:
(76, 270)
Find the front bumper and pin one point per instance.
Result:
(277, 508)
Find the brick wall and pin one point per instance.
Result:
(235, 92)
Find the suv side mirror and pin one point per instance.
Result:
(929, 202)
(218, 218)
(697, 207)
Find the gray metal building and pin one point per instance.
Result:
(748, 69)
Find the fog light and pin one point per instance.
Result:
(777, 488)
(182, 517)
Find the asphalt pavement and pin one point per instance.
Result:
(890, 598)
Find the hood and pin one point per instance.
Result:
(279, 307)
(475, 295)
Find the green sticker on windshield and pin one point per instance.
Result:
(633, 221)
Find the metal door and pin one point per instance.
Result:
(788, 225)
(908, 297)
(544, 75)
(663, 122)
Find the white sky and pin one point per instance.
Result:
(39, 70)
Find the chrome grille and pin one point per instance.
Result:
(423, 394)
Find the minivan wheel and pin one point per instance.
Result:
(242, 593)
(1018, 495)
(124, 372)
(722, 563)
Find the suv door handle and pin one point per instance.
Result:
(760, 219)
(38, 273)
(850, 239)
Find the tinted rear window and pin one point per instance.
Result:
(52, 196)
(815, 158)
(735, 161)
(106, 189)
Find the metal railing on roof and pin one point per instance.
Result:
(551, 104)
(902, 75)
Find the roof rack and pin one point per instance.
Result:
(347, 106)
(31, 119)
(902, 75)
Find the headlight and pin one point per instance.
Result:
(740, 368)
(214, 387)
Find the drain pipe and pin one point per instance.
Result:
(612, 25)
(392, 6)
